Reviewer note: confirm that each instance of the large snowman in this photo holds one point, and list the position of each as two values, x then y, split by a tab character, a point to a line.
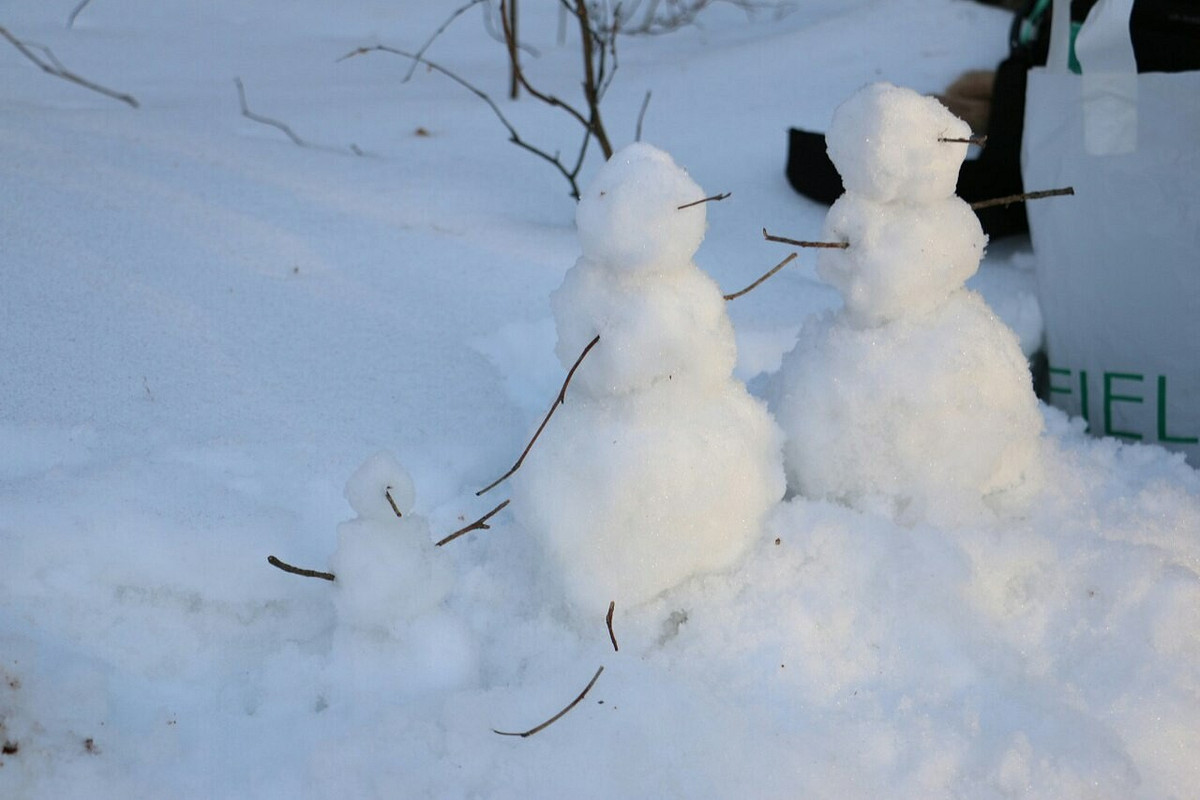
659	466
913	396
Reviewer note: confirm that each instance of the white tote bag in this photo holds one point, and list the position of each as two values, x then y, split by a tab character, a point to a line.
1118	264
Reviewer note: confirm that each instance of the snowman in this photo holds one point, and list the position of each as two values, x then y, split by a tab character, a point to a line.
394	635
659	466
913	395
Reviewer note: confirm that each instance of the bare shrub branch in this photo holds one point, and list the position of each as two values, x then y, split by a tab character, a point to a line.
75	12
274	123
478	525
50	64
713	198
559	715
641	116
558	401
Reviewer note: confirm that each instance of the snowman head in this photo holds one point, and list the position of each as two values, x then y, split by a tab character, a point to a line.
886	141
629	217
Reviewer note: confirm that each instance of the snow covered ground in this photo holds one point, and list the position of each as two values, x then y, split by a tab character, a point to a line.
205	330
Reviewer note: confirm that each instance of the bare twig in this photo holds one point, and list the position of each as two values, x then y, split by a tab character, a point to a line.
75	12
763	279
514	52
50	64
274	123
1020	198
308	573
388	494
799	243
559	715
513	135
458	12
612	606
478	525
978	141
558	401
641	116
711	199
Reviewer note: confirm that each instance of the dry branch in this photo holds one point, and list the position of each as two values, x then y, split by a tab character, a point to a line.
978	141
50	64
799	243
274	123
478	525
713	198
562	396
513	135
388	494
75	12
637	137
612	606
458	12
762	279
559	715
1020	198
307	573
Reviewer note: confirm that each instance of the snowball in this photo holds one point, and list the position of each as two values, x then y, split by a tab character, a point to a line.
379	476
388	573
629	217
884	141
903	259
631	496
934	414
652	327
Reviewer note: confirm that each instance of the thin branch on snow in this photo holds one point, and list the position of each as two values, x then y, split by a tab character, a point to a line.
420	54
307	573
513	135
388	494
1020	198
612	606
478	525
558	401
711	199
274	123
75	12
762	279
50	64
637	137
559	715
799	243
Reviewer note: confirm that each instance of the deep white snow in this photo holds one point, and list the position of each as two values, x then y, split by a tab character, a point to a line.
209	334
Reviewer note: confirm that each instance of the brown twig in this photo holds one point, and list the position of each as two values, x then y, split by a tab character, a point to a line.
714	198
478	525
52	66
637	137
562	396
513	135
1020	198
559	715
388	494
458	12
308	573
612	606
75	12
978	141
799	243
765	276
274	123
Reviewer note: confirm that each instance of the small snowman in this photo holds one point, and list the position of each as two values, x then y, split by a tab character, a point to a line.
659	466
914	393
394	633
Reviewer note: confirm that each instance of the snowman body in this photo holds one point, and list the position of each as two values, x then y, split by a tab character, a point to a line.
913	393
659	465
